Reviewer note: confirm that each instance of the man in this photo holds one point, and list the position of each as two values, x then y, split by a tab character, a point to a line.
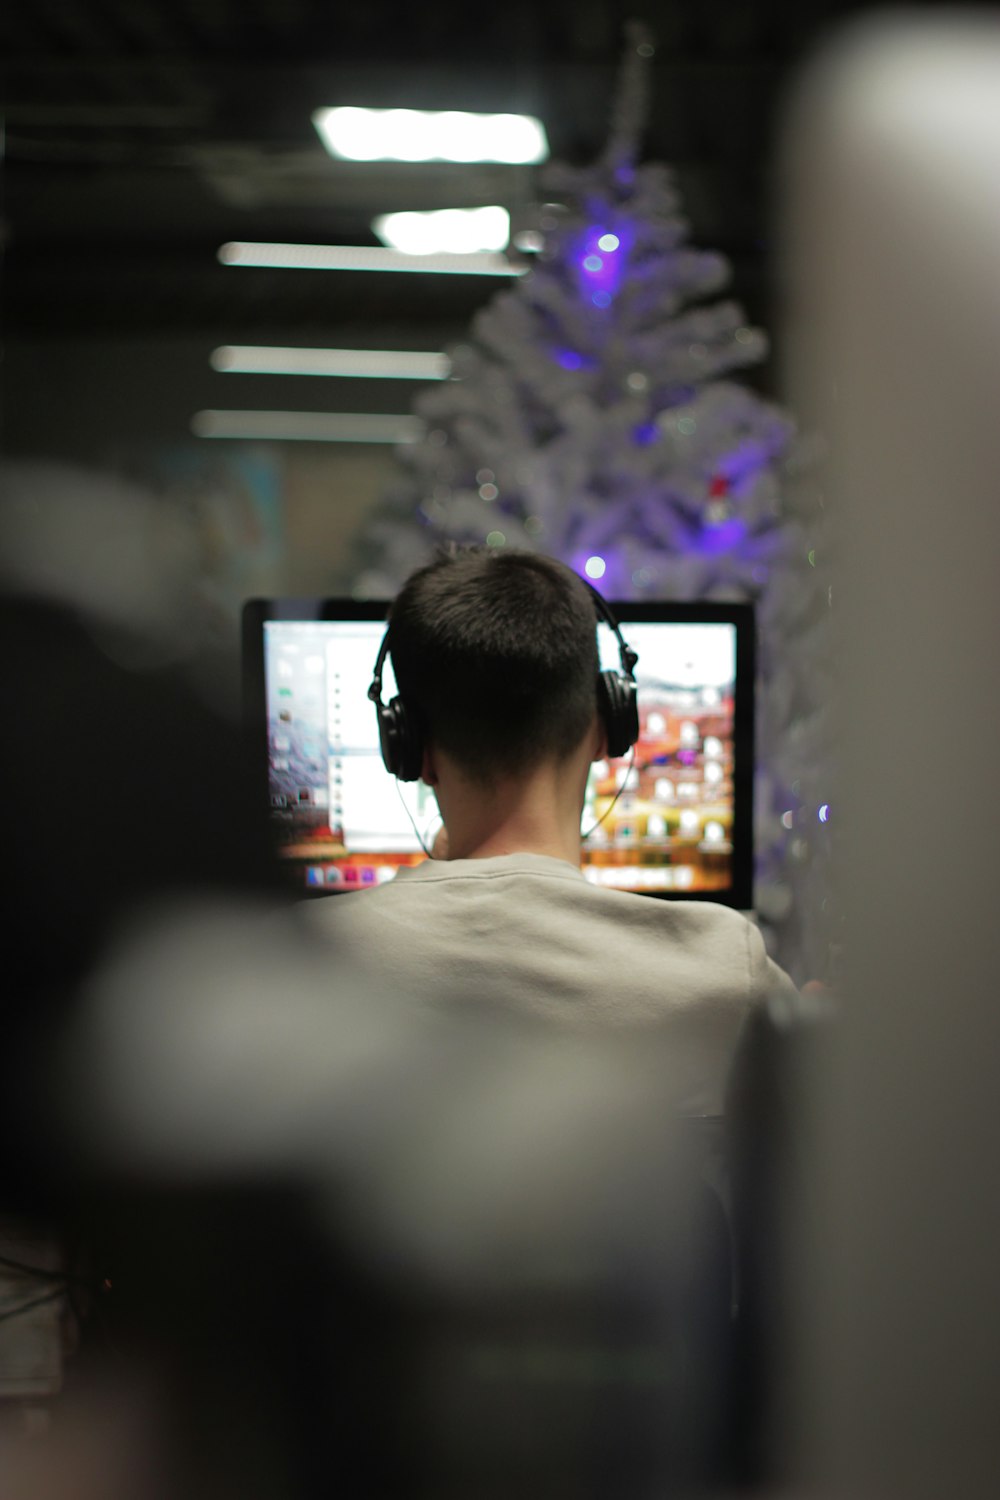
501	711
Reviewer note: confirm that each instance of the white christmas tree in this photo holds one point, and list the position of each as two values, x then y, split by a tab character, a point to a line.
590	415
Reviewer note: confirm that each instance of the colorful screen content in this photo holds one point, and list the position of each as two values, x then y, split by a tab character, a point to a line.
679	825
671	828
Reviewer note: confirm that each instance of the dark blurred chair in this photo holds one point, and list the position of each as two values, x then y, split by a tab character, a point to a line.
313	1349
121	788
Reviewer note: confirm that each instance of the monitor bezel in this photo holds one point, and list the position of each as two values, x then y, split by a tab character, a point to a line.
740	614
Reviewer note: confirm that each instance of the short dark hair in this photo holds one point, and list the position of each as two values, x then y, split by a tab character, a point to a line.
495	653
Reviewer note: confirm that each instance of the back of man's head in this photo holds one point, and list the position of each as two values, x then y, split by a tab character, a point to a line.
495	653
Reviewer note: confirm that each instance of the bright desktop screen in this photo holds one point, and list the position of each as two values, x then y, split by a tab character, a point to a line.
682	822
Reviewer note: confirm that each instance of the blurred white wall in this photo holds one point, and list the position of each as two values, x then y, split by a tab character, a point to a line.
892	215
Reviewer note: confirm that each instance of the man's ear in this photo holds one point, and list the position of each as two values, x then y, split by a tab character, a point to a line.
600	740
428	768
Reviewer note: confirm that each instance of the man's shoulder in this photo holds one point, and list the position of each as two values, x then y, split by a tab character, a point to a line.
672	913
532	896
322	910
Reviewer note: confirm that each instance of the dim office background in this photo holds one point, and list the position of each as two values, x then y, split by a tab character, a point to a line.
211	295
142	138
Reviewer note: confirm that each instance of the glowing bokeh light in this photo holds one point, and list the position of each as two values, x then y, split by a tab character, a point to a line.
722	536
600	265
280	256
455	231
386	364
595	567
359	134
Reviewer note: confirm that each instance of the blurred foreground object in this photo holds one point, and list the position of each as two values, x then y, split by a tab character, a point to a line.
892	164
107	550
33	1303
460	1257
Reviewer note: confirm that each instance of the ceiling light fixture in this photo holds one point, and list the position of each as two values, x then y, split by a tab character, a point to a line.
308	426
430	135
282	257
460	231
384	364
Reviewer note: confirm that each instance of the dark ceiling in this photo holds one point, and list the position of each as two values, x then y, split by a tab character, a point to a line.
142	134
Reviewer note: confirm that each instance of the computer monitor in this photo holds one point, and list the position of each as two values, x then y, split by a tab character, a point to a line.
682	824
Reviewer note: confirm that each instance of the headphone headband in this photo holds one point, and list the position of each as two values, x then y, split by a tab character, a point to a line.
375	691
629	658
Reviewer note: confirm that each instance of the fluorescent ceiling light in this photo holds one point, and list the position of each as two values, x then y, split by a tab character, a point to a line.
463	231
430	135
308	426
359	258
387	364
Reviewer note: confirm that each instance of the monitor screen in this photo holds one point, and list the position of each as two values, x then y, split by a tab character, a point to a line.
671	819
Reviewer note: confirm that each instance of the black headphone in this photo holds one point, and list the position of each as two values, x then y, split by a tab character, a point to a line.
401	741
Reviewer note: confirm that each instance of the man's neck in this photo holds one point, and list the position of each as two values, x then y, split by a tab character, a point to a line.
517	837
534	814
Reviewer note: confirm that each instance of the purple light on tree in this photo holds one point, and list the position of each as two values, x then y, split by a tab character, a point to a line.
724	537
571	359
602	566
601	256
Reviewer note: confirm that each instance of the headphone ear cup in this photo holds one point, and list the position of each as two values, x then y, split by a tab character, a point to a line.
399	740
618	707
